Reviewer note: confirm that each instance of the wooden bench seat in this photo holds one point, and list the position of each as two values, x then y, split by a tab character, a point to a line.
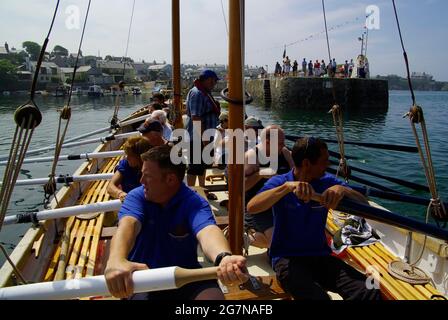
379	256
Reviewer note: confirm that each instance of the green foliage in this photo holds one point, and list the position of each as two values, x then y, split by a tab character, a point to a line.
33	49
60	50
8	75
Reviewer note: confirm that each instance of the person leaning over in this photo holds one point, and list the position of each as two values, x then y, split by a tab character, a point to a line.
299	250
161	224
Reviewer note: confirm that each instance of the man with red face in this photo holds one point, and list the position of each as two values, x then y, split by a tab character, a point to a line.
161	224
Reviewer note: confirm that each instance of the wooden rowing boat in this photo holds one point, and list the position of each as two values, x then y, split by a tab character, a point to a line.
78	247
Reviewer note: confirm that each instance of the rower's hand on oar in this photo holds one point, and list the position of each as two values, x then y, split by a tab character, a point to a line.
232	270
303	190
331	197
122	195
119	277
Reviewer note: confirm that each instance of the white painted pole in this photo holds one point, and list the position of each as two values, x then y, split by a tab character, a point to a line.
58	213
75	178
81	156
144	281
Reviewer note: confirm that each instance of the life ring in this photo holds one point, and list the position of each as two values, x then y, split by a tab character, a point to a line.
248	97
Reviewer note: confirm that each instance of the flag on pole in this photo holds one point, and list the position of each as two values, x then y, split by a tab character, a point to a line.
284	53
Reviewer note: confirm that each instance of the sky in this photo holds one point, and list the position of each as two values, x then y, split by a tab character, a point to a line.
270	25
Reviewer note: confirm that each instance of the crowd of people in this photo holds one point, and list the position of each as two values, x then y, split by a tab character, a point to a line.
316	68
162	221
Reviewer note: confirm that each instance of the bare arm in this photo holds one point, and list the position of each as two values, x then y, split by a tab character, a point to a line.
113	189
212	241
232	269
331	197
288	156
251	170
119	269
265	200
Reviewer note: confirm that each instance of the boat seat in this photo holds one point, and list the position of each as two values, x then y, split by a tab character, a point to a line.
378	256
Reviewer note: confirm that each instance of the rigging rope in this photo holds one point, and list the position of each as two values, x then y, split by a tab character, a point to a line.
404	271
224	17
114	120
336	111
416	116
65	114
27	118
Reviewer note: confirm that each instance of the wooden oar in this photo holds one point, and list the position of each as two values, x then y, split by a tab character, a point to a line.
365	182
106	206
144	281
393	196
404	183
366	211
383	146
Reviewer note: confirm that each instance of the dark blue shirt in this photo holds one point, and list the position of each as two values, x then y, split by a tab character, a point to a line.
130	176
168	234
299	228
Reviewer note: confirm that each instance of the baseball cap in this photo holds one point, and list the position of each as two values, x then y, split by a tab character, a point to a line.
209	74
150	125
224	116
253	122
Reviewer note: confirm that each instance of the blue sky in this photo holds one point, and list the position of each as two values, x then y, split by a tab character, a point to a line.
270	24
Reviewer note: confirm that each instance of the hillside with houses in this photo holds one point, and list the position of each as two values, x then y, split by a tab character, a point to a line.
17	68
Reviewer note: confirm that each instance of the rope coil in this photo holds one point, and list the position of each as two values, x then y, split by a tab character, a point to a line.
408	273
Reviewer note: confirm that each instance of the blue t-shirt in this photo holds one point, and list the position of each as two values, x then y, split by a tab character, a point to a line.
299	228
130	176
168	235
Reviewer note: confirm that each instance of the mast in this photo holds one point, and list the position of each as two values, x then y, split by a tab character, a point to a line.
177	94
236	121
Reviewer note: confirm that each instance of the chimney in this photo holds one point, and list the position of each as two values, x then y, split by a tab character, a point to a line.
7	47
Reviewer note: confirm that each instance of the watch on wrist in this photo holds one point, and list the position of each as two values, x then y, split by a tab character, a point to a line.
220	256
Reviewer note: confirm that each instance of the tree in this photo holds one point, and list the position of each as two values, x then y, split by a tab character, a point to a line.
60	51
33	49
8	75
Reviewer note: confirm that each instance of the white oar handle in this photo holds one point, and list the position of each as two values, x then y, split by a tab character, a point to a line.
82	156
65	179
144	281
66	212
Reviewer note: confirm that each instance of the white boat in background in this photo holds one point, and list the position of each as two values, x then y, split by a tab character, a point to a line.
136	91
95	91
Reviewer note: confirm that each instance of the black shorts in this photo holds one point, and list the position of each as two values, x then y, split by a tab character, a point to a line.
199	168
260	222
188	292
